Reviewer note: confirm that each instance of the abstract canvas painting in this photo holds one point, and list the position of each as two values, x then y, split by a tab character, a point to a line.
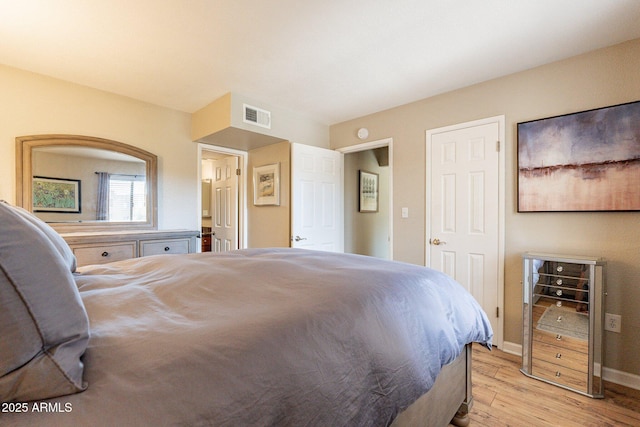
586	161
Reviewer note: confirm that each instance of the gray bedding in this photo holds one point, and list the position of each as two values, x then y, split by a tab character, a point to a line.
261	338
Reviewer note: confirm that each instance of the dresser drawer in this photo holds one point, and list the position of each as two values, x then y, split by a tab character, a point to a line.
103	253
566	269
561	356
560	340
560	374
169	246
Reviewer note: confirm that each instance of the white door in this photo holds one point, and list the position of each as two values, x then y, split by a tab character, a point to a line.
317	180
465	204
224	203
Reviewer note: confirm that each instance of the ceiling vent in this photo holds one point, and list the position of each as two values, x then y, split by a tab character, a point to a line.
257	116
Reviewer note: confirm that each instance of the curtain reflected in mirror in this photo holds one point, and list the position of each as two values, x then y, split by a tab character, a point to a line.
102	207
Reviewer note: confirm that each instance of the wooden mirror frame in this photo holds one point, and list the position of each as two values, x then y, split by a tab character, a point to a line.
24	178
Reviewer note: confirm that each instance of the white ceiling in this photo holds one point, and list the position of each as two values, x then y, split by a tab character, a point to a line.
330	59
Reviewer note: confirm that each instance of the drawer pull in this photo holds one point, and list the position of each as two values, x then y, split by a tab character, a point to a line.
558	356
559	292
559	319
558	374
560	268
167	248
558	337
105	253
559	282
559	303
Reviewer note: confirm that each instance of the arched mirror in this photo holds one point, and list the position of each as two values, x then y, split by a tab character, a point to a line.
81	183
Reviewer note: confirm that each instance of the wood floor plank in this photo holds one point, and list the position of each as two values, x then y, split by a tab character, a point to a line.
503	396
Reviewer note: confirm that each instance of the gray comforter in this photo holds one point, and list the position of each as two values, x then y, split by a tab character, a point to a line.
262	338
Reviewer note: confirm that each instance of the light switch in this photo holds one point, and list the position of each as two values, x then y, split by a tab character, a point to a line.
405	212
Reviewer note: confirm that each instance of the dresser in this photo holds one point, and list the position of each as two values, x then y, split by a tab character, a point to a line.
563	321
102	247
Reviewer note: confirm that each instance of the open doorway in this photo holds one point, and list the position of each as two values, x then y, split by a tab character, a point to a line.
222	203
369	231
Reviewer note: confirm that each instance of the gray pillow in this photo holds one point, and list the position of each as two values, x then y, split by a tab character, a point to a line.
56	239
45	329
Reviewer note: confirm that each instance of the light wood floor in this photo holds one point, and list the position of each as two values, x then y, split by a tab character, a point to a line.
503	396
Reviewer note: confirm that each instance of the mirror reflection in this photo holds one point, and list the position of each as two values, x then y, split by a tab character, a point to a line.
81	183
73	184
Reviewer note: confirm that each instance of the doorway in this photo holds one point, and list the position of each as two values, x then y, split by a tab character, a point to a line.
222	188
369	231
465	210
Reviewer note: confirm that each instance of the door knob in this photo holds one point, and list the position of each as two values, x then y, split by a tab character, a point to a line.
437	242
298	238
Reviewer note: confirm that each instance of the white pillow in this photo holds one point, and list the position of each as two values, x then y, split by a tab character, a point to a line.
57	240
43	322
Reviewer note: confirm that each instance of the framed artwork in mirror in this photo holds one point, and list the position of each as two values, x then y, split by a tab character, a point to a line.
266	185
56	195
368	192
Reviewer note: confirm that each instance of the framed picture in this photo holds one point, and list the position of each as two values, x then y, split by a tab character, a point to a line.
581	162
56	195
266	185
368	192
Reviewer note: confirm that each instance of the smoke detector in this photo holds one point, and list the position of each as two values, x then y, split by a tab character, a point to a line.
256	116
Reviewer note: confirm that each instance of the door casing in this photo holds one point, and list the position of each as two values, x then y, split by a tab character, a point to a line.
243	161
386	142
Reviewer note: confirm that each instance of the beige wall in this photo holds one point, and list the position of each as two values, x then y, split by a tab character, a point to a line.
601	78
222	123
268	226
34	104
285	123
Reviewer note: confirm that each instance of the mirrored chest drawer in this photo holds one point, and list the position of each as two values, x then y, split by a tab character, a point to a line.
102	247
563	321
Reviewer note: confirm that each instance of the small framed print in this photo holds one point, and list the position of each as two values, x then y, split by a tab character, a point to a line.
56	195
368	192
266	185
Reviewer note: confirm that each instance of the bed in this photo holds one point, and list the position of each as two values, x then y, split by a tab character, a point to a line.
263	337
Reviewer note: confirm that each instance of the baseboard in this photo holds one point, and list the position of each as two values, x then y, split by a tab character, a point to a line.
612	375
622	378
512	348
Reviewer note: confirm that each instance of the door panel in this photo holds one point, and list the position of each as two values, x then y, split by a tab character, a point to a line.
225	205
463	209
317	198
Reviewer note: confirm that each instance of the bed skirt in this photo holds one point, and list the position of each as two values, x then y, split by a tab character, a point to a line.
448	401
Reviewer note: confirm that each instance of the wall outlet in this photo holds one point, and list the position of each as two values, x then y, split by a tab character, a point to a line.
612	322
